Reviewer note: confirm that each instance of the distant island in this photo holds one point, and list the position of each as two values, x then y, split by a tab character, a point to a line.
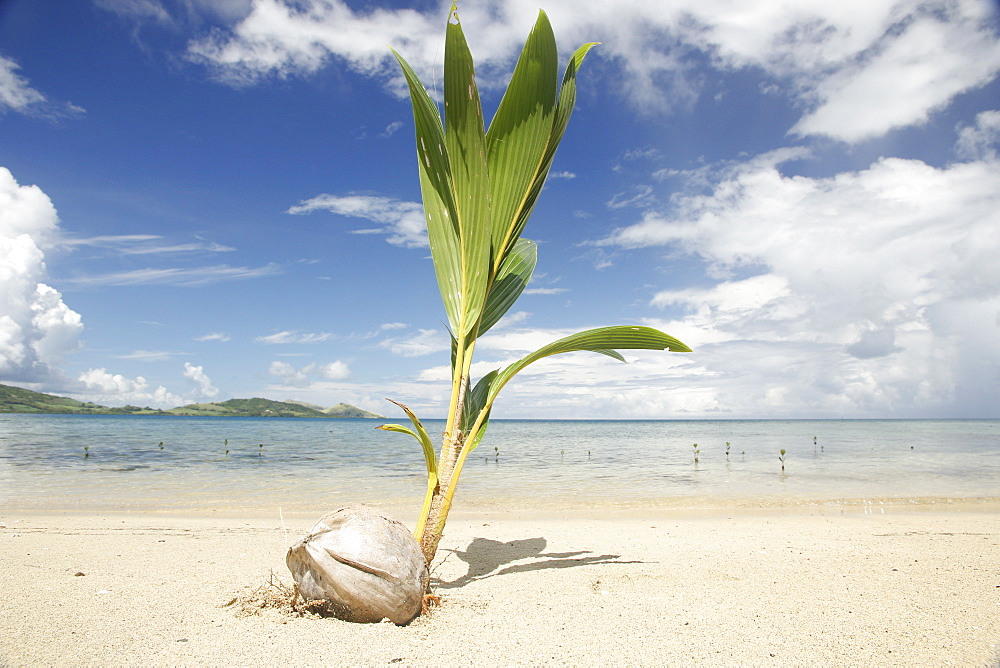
19	400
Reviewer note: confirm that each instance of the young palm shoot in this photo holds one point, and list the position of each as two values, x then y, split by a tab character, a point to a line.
479	188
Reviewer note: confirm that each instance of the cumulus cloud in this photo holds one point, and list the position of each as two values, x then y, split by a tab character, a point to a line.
402	222
859	292
37	329
197	375
307	375
335	371
113	389
857	72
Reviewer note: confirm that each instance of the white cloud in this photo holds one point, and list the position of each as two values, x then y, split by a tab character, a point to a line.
913	72
871	291
294	337
221	337
137	10
288	374
638	196
510	320
102	387
391	129
335	371
183	277
174	15
16	94
37	329
148	355
204	383
858	71
425	342
304	377
277	39
403	221
388	326
980	141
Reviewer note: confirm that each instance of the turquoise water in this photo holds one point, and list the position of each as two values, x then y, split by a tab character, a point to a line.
306	464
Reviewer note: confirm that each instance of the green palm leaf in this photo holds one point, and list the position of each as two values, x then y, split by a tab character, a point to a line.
604	340
475	403
567	100
513	276
520	131
418	432
437	190
465	144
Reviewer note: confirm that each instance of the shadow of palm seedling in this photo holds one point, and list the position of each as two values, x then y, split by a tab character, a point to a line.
486	558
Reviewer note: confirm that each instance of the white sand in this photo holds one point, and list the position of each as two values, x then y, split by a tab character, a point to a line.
809	587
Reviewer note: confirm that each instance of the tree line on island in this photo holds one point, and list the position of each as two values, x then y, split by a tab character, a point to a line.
19	400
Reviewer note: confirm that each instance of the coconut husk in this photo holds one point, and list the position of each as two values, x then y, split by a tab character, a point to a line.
367	565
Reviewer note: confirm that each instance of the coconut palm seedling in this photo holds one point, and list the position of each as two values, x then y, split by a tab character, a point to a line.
479	187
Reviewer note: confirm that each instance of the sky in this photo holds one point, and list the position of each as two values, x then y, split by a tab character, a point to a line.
213	199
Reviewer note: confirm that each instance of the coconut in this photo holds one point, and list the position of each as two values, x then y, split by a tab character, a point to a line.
366	565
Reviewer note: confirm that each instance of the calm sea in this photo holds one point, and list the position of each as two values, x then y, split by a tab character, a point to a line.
253	465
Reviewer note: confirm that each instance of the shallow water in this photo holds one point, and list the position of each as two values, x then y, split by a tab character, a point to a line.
117	463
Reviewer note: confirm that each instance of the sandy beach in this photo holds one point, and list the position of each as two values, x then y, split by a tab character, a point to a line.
806	586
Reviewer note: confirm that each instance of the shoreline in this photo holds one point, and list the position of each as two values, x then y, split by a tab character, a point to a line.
552	508
916	584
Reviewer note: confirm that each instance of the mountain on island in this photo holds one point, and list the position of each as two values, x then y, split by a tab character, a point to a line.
341	410
20	400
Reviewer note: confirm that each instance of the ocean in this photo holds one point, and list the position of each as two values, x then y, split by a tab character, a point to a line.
271	465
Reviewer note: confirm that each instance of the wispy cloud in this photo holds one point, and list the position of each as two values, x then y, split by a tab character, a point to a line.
424	342
16	94
294	337
391	129
637	196
402	222
221	337
184	277
149	355
387	326
142	244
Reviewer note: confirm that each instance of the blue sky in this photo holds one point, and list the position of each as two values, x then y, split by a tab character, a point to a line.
202	200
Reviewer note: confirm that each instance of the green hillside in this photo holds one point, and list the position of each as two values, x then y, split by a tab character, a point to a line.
19	400
255	407
348	411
